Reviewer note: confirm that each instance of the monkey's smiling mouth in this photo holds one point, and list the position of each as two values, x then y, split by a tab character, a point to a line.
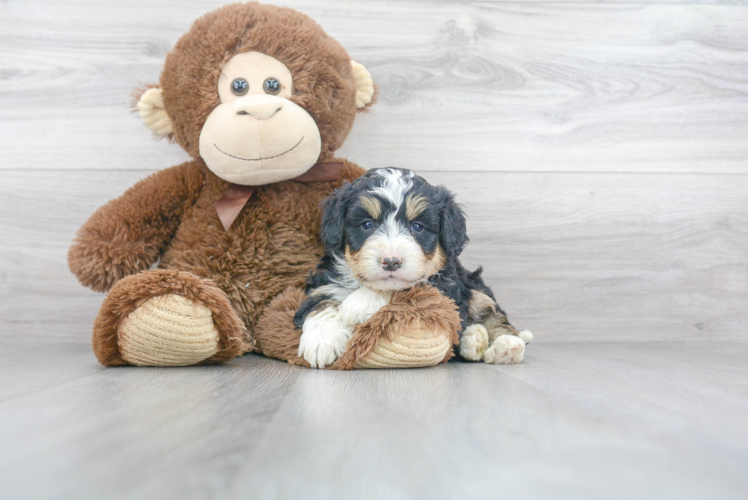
261	158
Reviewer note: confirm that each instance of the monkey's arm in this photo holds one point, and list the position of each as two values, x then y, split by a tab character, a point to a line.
128	234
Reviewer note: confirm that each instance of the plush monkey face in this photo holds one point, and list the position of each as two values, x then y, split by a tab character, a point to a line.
256	135
259	93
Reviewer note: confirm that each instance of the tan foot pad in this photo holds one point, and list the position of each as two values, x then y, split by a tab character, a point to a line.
414	347
168	330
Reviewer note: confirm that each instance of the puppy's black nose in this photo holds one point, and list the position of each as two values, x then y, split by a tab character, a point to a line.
391	263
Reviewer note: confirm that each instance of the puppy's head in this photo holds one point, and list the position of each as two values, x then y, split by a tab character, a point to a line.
393	228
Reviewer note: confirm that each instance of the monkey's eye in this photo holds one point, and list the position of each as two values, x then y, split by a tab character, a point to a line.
239	86
272	86
366	226
416	227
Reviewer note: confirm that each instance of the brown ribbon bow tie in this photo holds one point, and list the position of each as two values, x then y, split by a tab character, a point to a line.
236	196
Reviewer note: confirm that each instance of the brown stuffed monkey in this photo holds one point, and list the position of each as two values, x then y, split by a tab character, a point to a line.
207	260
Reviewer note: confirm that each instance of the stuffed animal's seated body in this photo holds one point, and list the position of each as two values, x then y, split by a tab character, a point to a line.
261	98
387	232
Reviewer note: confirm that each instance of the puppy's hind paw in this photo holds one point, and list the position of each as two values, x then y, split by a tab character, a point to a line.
506	349
473	342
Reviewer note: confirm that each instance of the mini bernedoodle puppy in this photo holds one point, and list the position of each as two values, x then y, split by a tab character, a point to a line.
390	230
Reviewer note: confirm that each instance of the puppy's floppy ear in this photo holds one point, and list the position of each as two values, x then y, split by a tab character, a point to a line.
452	225
333	219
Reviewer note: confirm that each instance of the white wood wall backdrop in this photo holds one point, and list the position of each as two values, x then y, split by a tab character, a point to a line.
601	149
479	86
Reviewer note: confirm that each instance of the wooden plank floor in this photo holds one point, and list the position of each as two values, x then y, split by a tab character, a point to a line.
576	420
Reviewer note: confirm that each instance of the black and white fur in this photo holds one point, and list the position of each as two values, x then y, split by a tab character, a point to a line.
391	230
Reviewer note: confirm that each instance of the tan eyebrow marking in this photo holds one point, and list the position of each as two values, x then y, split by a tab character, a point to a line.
372	206
415	205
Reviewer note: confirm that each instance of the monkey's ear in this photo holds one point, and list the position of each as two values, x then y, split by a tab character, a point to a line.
150	104
365	88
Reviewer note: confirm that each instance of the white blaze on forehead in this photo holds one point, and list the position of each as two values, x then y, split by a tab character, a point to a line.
395	186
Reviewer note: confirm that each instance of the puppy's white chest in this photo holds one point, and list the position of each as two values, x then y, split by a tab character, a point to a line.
360	305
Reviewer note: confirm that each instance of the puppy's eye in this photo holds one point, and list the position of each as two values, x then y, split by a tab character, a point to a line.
416	227
239	86
366	226
272	86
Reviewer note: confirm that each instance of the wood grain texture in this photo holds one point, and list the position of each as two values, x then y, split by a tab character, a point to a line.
580	421
600	152
570	256
478	85
575	421
187	431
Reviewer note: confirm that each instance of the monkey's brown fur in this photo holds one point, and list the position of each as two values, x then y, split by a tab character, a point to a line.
323	82
250	277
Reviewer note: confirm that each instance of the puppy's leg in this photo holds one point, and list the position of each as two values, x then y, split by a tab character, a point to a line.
474	342
506	350
507	345
324	336
361	305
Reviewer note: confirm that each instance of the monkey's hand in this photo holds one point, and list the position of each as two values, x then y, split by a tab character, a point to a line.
128	234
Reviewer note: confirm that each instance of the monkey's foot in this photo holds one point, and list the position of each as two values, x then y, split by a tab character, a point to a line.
167	318
417	328
168	330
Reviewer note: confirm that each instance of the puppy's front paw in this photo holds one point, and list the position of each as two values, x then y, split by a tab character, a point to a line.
324	338
506	349
473	342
